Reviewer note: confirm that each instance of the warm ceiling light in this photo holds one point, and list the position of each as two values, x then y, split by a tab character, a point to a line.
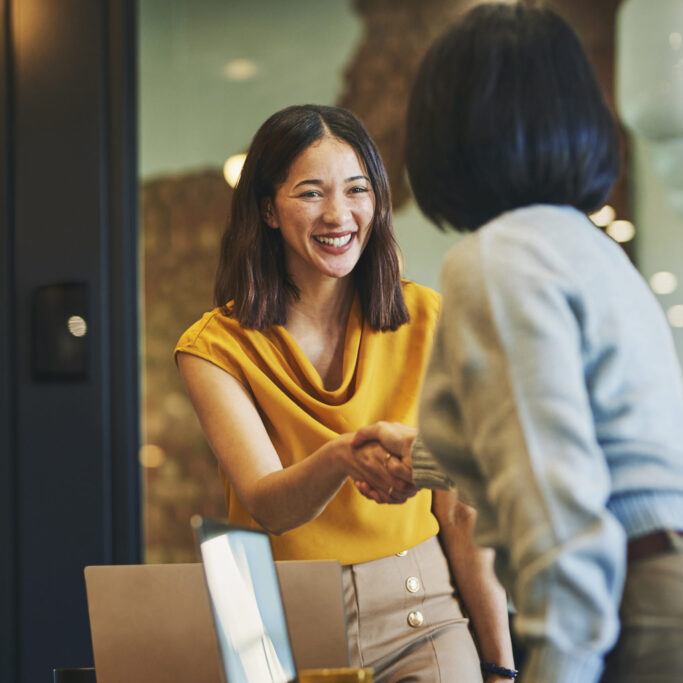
604	216
621	231
663	282
151	455
240	70
232	168
675	315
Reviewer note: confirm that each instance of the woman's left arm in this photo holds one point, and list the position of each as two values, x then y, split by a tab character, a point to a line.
472	568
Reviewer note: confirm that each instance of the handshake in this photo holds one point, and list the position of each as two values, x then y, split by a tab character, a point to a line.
382	454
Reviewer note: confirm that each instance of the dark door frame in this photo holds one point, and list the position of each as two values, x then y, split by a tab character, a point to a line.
8	613
69	472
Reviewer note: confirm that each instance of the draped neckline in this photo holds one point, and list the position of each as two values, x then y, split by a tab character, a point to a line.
352	339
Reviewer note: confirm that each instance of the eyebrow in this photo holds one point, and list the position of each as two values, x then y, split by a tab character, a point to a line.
316	181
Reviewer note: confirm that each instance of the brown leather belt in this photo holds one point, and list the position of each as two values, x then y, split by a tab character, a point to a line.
653	544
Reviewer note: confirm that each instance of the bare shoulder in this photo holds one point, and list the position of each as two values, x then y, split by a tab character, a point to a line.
231	422
206	381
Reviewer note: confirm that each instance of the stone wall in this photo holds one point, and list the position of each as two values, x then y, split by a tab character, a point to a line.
182	219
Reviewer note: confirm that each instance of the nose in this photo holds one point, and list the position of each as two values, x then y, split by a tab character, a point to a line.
336	209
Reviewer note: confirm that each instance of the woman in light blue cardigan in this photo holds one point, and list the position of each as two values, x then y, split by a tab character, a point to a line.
554	400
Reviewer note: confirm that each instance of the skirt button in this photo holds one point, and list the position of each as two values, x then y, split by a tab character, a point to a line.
412	584
416	619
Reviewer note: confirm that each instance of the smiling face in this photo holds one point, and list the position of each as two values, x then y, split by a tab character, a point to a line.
324	209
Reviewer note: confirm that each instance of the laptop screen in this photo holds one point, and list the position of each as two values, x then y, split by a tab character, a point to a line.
246	603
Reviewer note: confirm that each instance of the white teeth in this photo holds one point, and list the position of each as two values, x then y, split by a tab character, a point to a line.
333	241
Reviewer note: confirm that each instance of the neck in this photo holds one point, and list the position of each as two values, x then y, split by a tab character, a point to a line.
325	304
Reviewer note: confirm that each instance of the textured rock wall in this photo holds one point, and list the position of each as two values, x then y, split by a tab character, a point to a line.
182	219
378	80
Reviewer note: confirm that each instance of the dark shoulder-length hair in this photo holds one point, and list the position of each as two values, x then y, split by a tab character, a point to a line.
251	270
506	112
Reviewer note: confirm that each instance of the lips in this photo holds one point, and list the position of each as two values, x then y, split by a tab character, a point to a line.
334	241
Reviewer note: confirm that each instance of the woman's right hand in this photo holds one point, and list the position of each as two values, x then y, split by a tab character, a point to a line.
395	441
395	437
375	471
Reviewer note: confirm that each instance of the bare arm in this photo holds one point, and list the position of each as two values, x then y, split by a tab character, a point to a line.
472	567
278	498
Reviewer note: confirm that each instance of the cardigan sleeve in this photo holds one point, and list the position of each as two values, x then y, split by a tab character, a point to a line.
427	473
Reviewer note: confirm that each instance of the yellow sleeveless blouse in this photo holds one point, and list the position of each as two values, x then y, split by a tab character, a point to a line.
382	376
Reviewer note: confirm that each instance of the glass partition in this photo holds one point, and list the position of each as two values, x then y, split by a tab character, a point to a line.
210	72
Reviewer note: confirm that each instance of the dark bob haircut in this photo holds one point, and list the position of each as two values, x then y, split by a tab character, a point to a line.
506	112
252	271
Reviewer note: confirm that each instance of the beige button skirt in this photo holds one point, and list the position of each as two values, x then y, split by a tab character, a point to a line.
404	619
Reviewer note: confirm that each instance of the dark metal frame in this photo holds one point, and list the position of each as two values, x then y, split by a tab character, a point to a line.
127	542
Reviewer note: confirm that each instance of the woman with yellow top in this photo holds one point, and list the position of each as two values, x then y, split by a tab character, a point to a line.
315	336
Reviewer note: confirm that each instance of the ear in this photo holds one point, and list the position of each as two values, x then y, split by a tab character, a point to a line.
268	213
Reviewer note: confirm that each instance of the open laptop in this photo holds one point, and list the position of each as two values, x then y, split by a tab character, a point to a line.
154	623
